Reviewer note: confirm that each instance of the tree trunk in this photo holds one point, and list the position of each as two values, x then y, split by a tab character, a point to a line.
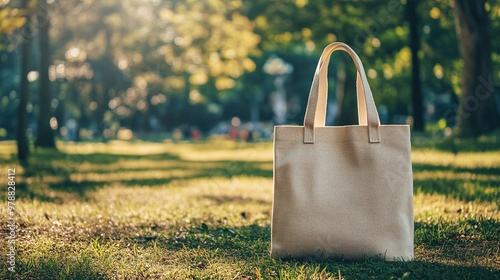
477	112
45	136
339	92
22	113
105	78
347	113
418	110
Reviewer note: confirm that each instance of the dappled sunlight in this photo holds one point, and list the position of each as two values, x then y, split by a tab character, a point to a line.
463	159
428	205
136	137
466	176
132	175
115	147
202	208
484	254
8	147
453	175
224	150
146	163
461	185
228	150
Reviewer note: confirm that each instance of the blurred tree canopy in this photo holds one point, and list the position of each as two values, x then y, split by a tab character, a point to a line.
153	65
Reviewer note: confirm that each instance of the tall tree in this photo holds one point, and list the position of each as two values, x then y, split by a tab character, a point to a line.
45	136
477	110
22	114
416	90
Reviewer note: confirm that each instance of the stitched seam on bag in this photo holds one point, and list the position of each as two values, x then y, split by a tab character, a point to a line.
340	126
333	141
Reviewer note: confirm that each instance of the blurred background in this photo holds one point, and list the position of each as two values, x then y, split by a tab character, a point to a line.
91	70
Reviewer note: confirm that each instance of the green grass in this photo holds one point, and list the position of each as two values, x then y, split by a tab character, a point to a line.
143	210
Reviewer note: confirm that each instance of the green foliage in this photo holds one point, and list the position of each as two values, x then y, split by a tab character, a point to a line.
168	60
202	210
12	18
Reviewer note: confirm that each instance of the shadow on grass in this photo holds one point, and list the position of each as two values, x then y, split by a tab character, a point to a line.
246	249
82	187
476	170
490	142
251	244
51	267
224	199
64	166
460	183
57	163
125	176
463	231
484	189
49	154
465	190
23	191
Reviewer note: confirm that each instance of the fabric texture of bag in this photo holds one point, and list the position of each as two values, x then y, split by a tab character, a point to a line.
342	192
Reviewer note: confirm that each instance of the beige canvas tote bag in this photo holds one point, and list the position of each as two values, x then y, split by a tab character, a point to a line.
343	192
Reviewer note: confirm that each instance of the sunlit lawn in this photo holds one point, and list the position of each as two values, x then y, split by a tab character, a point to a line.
143	210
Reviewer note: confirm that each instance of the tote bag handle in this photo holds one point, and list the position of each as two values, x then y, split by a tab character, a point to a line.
316	105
